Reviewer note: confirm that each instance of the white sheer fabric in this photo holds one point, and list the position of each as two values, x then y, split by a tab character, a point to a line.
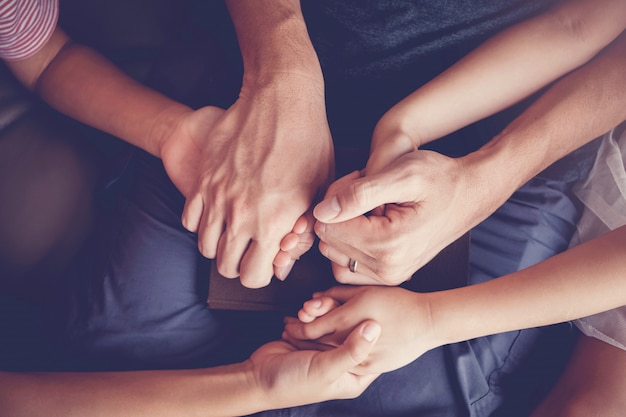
604	197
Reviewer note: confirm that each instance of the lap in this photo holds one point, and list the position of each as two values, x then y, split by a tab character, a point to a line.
500	375
144	305
139	299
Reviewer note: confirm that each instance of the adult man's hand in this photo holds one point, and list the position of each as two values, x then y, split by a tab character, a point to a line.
252	172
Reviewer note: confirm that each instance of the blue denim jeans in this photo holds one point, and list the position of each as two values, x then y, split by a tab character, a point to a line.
140	303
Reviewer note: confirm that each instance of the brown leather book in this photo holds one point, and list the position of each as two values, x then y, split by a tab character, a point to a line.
449	269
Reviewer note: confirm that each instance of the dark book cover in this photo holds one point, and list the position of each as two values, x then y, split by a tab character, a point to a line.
449	269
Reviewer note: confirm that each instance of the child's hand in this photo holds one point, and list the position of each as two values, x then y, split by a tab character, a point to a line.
326	320
294	245
245	176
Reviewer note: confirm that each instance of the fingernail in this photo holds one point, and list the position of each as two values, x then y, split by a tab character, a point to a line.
327	209
282	272
371	331
316	303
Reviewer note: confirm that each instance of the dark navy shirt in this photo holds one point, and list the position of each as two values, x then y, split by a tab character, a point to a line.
374	53
374	38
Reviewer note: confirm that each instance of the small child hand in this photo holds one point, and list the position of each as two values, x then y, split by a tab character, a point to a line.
293	245
316	307
326	320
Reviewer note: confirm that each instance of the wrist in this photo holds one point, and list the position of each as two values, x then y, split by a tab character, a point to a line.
396	123
492	177
274	41
285	87
164	126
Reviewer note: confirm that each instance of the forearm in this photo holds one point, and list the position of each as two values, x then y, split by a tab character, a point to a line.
217	392
274	43
85	86
584	280
580	107
509	67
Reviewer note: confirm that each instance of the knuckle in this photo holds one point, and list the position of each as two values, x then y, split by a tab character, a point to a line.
342	277
362	193
308	332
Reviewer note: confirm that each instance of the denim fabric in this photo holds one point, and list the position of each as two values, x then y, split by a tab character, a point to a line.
501	375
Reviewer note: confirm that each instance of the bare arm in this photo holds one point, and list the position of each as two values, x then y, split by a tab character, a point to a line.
264	181
507	68
82	84
584	280
440	198
274	42
276	376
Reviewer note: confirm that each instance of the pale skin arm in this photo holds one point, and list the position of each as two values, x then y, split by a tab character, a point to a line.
585	280
82	84
437	198
239	186
276	376
499	73
79	82
273	146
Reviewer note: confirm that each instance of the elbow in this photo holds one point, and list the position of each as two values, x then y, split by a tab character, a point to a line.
587	25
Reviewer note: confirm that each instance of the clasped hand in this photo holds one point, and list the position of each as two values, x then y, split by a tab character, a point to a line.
248	174
404	316
394	220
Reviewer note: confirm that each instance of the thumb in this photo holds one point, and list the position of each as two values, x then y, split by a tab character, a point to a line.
356	198
355	349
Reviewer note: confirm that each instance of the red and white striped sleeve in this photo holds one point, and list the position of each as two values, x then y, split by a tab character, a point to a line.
26	26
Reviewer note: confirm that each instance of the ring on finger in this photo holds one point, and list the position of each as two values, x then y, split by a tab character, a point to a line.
352	265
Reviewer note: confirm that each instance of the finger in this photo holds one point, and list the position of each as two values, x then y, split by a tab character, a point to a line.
294	245
282	272
343	293
192	213
307	344
304	223
324	325
210	230
354	238
316	307
362	195
342	182
230	250
341	270
257	266
352	352
344	275
289	242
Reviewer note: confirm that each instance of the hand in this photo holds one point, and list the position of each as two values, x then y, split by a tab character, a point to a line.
294	245
293	377
258	170
426	201
404	316
182	151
